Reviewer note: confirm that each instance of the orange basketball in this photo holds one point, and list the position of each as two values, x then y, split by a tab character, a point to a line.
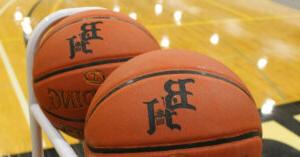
173	103
75	55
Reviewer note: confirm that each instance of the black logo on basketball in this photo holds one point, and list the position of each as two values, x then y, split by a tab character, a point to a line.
176	98
79	43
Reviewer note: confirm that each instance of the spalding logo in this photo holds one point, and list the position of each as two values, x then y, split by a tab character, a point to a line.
94	77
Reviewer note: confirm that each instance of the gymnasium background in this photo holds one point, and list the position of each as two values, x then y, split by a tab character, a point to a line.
257	39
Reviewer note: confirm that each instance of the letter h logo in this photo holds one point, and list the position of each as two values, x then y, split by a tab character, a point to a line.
172	101
79	43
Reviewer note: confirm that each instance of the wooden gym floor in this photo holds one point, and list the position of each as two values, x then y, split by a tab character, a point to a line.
257	39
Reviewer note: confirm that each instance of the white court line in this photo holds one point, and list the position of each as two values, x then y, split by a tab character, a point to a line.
14	82
12	76
5	6
16	85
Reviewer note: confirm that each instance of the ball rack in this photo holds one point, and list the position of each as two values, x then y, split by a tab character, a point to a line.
38	120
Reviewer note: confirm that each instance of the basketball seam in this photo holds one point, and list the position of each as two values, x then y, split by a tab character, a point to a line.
147	76
95	17
78	120
241	137
79	66
160	73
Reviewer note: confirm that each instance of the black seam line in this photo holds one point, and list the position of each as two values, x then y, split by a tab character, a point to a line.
79	120
170	72
32	9
175	147
100	62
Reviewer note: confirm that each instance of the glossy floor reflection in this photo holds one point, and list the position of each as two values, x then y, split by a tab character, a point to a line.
258	40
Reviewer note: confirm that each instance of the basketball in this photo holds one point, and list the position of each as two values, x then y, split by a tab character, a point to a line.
74	57
173	103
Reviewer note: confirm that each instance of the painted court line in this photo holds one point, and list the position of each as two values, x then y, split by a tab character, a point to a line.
14	82
5	6
12	75
212	21
228	9
56	5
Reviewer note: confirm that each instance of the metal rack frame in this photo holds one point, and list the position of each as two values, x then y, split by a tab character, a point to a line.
38	120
